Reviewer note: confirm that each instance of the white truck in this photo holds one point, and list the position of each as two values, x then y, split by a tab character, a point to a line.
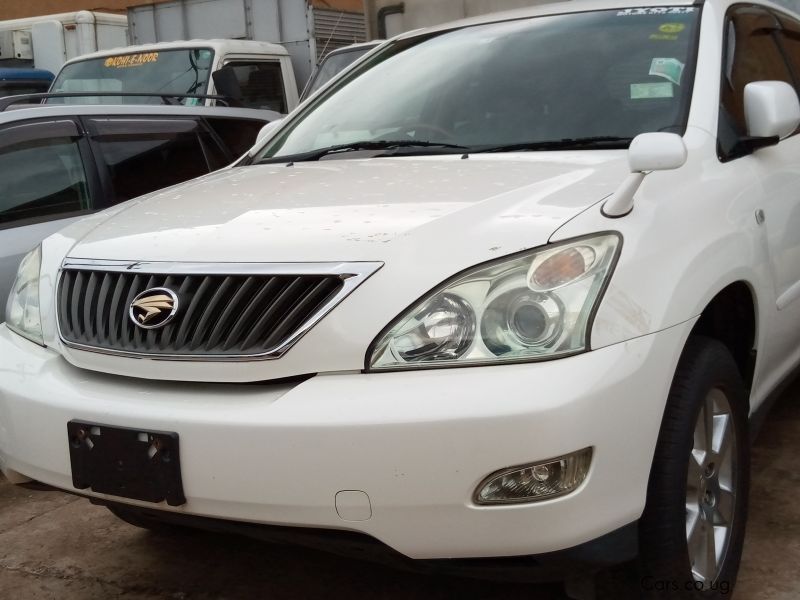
248	73
270	46
308	29
48	41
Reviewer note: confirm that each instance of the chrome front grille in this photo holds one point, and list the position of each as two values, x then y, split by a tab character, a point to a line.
223	311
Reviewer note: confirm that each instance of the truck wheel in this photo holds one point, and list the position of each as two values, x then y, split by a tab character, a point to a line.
692	528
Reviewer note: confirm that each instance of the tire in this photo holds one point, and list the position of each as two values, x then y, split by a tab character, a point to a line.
143	520
690	489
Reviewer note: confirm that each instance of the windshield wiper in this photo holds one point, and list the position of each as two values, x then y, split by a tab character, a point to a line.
364	145
597	142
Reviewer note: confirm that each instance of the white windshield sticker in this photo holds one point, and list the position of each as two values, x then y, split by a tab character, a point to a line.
644	91
657	10
670	69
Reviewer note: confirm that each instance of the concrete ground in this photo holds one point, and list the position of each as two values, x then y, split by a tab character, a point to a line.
54	545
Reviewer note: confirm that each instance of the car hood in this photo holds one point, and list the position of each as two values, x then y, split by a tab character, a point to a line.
478	208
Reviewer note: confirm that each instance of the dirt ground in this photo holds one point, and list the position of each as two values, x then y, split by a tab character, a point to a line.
54	545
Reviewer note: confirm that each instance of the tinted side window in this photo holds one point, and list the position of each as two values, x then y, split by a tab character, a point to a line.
145	155
43	176
751	54
261	84
238	135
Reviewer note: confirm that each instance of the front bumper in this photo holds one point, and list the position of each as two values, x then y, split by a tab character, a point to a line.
415	443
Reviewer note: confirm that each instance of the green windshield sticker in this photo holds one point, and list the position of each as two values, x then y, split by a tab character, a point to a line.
645	91
670	69
668	31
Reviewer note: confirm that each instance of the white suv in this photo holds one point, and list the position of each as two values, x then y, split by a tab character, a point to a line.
512	287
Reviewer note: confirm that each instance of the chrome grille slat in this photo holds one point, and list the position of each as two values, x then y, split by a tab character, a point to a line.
127	327
117	311
270	313
189	318
224	321
169	330
288	321
248	314
63	312
101	315
210	315
139	333
89	306
77	286
222	315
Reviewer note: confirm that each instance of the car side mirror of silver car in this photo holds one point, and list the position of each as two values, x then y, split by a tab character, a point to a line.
265	132
648	152
771	109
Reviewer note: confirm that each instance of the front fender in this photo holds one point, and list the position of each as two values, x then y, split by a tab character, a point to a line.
692	233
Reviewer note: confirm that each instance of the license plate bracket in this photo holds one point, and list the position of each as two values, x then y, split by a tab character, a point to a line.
126	462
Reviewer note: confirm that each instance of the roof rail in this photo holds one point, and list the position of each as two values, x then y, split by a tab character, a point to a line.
165	98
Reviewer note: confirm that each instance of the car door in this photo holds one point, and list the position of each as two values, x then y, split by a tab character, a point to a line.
139	155
47	179
756	50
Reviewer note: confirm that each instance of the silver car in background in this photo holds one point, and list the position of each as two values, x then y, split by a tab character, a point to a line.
59	163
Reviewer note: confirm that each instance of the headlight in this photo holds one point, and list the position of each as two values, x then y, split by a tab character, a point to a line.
22	311
530	306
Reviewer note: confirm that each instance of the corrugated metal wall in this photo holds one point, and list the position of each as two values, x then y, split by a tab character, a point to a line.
405	15
335	29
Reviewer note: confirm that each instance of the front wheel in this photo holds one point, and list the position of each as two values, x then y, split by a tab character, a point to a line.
692	529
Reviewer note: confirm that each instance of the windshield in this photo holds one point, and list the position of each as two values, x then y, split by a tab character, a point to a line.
333	65
183	71
604	74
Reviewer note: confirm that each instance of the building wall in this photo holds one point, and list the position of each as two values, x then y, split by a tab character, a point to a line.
345	5
17	9
426	13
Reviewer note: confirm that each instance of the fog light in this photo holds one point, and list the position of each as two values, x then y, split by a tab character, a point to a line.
534	482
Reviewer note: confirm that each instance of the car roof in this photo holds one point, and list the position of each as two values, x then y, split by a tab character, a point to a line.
69	110
551	8
234	46
358	46
576	6
25	73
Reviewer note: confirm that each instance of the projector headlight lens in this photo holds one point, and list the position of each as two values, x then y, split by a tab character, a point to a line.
530	306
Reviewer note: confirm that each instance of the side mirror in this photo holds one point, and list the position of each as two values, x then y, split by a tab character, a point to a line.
267	130
227	84
771	109
656	152
647	152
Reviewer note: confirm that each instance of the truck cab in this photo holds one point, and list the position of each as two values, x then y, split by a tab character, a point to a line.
256	74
